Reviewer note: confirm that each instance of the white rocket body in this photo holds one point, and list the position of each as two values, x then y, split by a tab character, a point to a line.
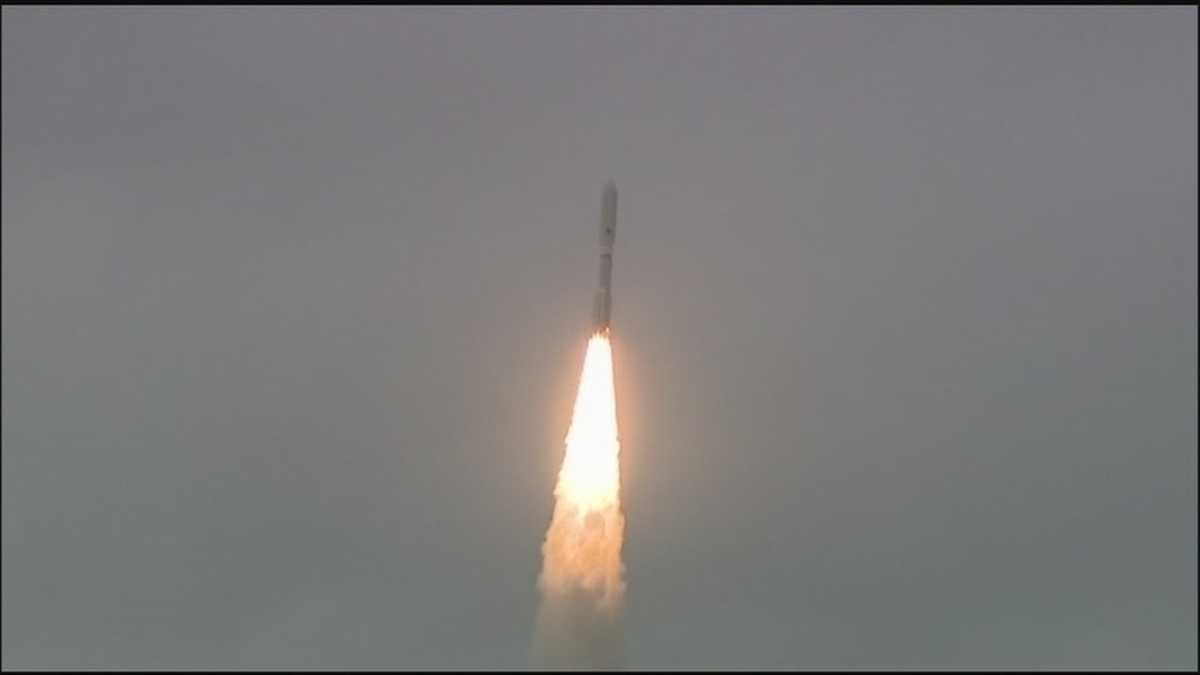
602	307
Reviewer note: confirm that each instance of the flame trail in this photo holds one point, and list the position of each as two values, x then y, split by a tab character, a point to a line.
581	581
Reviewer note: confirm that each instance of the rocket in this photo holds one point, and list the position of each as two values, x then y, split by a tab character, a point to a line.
602	307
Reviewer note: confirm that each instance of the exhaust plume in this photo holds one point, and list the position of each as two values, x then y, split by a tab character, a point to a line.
581	581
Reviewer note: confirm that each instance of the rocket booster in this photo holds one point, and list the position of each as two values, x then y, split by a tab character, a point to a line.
602	307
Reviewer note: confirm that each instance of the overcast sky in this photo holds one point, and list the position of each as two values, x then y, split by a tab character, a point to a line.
295	302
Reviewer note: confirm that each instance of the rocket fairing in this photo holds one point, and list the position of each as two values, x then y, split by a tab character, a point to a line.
602	307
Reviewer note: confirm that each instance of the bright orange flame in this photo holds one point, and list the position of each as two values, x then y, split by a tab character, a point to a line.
583	545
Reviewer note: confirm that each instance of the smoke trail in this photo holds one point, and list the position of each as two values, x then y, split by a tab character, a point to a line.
578	624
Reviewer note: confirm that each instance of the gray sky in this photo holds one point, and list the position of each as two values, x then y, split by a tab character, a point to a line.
295	300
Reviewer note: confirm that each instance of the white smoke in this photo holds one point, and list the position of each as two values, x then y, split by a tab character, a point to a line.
582	585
